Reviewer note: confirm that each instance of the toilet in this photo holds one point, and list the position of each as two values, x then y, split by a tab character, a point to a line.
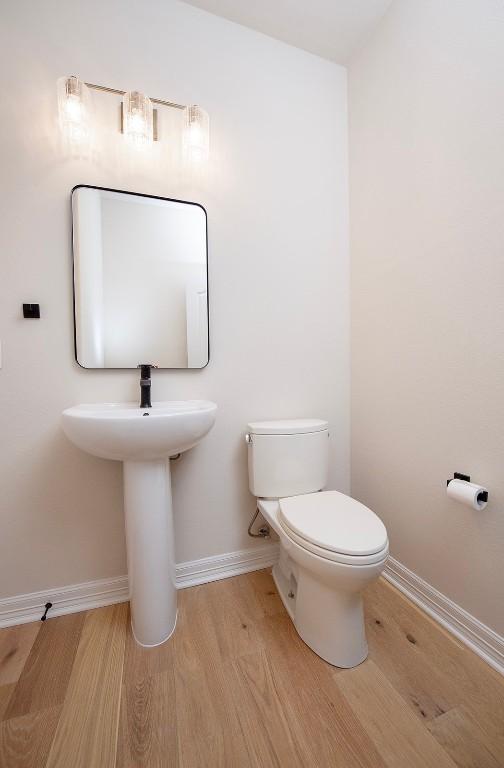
331	546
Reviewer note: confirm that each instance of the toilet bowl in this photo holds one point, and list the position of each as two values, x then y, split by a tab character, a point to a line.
331	546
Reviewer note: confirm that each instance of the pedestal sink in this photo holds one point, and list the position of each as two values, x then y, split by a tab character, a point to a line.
144	439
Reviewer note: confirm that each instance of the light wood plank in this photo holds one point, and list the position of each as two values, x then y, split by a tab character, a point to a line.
6	692
195	643
208	731
268	733
87	730
44	679
465	741
398	735
25	741
148	725
234	613
15	646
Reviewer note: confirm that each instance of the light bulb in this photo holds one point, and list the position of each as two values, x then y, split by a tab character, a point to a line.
137	119
196	139
74	110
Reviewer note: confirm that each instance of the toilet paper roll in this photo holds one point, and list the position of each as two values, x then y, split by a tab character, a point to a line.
466	493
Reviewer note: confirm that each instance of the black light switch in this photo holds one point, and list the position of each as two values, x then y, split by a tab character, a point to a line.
31	310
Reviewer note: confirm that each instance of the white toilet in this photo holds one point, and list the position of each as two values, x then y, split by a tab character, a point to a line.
331	546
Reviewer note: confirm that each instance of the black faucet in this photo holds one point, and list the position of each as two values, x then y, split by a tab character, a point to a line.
145	384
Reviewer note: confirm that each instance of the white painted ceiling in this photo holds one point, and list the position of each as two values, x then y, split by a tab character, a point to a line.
330	28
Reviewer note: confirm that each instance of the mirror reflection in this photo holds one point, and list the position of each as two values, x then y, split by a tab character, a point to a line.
140	280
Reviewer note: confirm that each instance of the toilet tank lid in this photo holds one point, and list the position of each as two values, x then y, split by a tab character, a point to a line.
287	426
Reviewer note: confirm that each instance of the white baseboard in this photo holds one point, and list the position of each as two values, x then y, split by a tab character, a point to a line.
222	566
78	597
480	638
95	594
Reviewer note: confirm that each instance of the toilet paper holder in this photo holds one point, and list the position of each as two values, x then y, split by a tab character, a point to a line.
483	496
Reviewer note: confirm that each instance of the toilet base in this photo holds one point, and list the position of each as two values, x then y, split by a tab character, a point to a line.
329	622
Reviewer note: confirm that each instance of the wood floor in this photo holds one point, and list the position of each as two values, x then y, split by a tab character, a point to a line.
235	686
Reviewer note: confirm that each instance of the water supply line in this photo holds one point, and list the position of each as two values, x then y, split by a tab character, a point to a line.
264	530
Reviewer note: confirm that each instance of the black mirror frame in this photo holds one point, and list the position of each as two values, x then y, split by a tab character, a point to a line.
153	197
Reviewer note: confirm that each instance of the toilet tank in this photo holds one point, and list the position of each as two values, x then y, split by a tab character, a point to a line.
287	457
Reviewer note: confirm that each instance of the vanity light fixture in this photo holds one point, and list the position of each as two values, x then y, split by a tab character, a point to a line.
196	138
74	110
138	118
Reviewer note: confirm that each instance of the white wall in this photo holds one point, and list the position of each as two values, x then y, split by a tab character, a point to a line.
427	229
277	211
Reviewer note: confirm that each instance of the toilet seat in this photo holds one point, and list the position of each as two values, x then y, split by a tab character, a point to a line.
334	526
337	557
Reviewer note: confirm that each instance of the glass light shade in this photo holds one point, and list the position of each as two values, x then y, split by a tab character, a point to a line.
196	138
137	118
74	110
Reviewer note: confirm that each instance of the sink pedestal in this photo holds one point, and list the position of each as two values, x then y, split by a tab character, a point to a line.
150	550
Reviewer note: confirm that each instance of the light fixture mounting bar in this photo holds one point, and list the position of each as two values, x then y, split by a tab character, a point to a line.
106	89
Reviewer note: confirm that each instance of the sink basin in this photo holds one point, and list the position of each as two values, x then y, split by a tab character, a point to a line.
126	432
144	439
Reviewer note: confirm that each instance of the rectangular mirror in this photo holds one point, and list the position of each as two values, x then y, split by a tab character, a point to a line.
140	280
